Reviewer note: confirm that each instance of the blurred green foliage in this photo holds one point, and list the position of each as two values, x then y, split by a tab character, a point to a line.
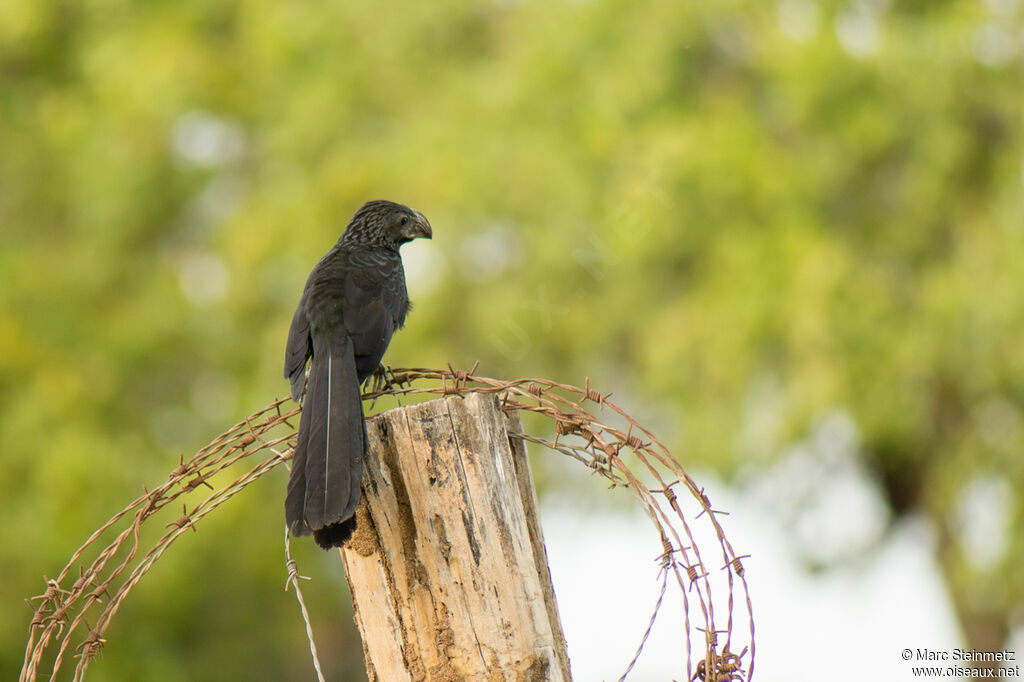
717	210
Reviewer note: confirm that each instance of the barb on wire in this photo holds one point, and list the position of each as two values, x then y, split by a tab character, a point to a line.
108	570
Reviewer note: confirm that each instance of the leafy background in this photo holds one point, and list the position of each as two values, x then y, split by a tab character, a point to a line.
739	216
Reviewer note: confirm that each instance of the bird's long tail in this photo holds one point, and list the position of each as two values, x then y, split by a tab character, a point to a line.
327	467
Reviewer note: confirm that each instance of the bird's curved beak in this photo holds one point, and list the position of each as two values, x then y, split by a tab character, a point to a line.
422	227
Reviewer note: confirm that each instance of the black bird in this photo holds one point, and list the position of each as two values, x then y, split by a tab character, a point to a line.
354	300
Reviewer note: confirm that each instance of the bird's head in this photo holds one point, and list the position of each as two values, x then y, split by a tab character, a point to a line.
386	223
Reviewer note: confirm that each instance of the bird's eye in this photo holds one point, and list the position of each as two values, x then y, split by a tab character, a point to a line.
405	219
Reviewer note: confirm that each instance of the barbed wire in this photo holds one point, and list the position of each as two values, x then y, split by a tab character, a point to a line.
293	580
108	570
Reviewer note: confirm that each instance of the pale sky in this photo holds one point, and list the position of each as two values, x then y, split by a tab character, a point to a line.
842	624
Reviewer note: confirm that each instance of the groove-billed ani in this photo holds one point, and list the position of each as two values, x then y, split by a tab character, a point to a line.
353	302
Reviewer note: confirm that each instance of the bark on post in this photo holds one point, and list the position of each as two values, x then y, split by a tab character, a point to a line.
448	570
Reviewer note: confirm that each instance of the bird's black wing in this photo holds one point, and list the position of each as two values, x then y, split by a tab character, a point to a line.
376	303
298	349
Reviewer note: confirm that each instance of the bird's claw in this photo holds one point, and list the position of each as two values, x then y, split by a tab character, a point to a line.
379	380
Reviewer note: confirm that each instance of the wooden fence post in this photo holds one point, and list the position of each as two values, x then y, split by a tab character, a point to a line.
448	570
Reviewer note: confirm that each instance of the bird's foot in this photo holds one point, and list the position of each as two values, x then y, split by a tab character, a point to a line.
379	380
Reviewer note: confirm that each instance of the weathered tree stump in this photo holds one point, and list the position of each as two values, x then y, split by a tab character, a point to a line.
448	570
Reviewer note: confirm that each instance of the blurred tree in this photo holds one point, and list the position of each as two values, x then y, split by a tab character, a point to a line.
688	202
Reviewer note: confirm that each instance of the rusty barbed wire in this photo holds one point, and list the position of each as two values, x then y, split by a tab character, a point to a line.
293	581
106	573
